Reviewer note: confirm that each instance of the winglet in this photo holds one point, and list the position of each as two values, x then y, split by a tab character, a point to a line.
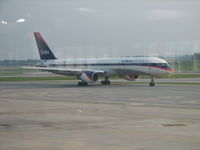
44	50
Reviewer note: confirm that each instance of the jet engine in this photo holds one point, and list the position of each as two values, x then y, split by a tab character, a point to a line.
131	77
89	76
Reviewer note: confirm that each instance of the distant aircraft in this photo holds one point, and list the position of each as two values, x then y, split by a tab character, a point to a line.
89	70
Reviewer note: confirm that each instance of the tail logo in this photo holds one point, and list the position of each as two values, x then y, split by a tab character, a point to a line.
44	52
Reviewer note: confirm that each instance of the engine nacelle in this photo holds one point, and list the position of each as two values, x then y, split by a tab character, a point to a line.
131	77
89	76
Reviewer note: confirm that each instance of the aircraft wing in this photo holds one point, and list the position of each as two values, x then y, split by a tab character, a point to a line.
64	71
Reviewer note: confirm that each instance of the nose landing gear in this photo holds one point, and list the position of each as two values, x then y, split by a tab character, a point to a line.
152	83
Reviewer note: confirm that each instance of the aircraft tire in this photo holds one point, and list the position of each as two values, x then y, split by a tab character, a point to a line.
151	84
105	82
82	83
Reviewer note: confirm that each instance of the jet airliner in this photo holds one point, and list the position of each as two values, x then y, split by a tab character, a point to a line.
88	70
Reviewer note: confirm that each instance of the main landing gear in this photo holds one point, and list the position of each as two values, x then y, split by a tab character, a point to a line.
152	83
106	81
82	83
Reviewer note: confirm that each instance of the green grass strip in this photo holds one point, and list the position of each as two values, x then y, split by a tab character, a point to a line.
175	83
18	69
182	76
37	78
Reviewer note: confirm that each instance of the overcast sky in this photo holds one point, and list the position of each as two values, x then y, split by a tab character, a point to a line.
99	28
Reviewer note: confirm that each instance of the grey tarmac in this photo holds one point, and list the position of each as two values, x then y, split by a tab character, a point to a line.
49	115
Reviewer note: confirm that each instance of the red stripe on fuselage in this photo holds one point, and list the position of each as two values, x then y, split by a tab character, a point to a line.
171	70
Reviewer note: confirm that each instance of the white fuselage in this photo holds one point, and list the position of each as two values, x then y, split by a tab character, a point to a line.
115	66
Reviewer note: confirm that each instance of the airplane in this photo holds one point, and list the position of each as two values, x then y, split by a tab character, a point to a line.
89	70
